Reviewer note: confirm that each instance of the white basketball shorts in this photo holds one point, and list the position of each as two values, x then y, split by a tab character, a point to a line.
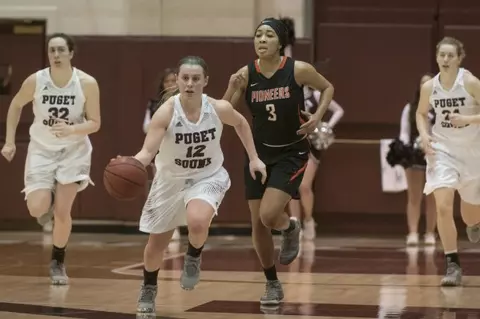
165	208
457	167
44	167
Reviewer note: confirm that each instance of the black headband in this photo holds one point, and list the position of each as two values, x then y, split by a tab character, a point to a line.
279	27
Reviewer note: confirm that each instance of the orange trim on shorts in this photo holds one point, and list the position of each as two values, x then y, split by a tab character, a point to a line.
300	171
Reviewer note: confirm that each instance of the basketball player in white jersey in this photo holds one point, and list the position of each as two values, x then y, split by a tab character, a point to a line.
190	182
453	149
66	109
415	173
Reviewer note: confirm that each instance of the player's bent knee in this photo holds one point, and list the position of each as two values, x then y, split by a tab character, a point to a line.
273	206
199	224
199	216
63	211
258	225
63	218
444	210
198	227
37	209
269	216
38	202
444	201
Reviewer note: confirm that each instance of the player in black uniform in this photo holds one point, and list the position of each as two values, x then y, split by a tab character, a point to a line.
273	88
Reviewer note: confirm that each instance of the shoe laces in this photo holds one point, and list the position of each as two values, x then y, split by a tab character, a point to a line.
451	269
57	268
271	290
147	293
192	265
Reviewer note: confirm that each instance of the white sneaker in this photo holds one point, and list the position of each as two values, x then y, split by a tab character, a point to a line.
176	234
309	232
48	227
412	239
429	239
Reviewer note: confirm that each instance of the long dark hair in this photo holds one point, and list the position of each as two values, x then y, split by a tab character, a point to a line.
413	110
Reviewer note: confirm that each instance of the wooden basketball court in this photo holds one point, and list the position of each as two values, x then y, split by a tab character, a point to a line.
332	278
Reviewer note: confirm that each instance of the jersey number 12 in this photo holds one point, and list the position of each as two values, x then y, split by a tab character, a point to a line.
196	151
272	116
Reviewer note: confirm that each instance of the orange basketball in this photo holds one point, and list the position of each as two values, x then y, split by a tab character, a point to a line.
125	178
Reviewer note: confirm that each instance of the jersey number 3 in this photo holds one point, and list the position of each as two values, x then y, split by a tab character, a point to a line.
271	110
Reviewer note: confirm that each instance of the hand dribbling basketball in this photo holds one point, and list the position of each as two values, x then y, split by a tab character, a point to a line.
125	178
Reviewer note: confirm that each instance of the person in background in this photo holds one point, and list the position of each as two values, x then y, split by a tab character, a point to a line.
452	149
167	82
415	173
66	107
319	143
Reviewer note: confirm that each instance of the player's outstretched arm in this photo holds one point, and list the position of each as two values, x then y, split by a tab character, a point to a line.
156	131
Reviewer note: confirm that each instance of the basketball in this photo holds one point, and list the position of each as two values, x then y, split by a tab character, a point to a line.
125	178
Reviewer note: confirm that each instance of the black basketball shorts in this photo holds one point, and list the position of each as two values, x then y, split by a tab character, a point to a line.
284	171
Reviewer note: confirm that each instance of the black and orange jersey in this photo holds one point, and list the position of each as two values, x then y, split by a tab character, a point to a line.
275	104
